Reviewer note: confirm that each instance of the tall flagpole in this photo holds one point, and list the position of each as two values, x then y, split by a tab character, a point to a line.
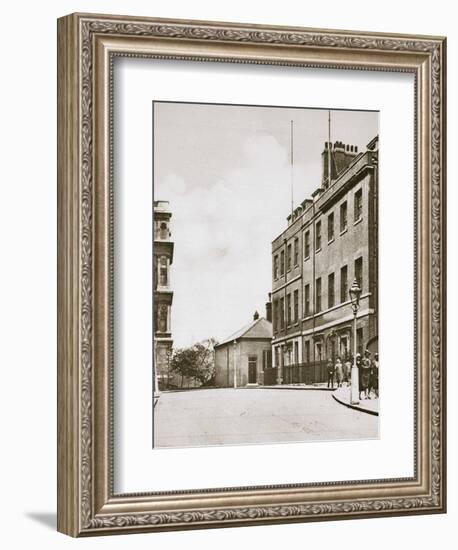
329	149
291	156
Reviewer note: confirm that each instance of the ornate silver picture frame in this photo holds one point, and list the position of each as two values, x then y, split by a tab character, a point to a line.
88	505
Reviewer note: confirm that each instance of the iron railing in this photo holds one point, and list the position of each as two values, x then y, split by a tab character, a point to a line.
313	372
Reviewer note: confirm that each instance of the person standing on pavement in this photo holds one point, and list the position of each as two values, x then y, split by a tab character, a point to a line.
365	378
374	375
347	370
360	372
330	371
339	372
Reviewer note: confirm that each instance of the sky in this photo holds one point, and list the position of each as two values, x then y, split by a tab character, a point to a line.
226	171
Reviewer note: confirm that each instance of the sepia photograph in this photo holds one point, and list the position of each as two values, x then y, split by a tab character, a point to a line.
265	262
232	265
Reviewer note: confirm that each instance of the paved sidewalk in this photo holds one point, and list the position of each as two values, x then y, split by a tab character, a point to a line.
370	406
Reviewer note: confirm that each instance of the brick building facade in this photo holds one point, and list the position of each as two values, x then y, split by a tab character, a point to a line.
331	240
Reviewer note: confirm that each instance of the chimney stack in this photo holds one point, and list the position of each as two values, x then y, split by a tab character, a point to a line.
341	156
269	308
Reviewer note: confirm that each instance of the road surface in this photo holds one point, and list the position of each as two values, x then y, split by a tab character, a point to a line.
240	416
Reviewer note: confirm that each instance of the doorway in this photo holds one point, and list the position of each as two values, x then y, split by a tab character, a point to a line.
252	370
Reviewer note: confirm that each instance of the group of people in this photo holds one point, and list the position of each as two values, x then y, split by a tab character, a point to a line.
340	373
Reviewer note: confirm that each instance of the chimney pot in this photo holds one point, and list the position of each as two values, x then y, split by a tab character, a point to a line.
255	316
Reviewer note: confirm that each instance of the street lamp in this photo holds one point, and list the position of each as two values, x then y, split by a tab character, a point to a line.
169	355
355	294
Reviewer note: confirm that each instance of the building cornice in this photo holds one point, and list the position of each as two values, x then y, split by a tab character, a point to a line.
345	186
284	285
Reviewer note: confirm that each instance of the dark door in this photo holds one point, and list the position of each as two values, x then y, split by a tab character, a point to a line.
252	370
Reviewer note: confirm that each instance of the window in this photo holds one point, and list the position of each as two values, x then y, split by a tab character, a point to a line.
288	309
288	258
296	306
306	300
296	251
331	226
162	318
307	351
277	356
282	263
343	283
276	267
275	314
344	348
164	232
266	359
318	351
282	313
358	205
163	271
318	236
318	295
343	216
296	353
331	290
359	272
307	244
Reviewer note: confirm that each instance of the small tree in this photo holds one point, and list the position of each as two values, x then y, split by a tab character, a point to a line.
205	361
183	363
196	362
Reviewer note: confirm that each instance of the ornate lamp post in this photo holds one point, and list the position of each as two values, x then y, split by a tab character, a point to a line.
355	293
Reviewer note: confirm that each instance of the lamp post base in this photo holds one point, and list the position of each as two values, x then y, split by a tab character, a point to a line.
354	393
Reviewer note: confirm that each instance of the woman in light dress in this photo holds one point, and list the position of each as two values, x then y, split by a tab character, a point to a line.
347	370
339	372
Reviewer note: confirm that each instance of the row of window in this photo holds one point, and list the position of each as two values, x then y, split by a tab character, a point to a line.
292	299
292	250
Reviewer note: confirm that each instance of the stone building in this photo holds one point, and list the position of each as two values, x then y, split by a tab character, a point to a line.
163	294
242	358
331	239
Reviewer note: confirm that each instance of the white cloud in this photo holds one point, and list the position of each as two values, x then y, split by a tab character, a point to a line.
222	266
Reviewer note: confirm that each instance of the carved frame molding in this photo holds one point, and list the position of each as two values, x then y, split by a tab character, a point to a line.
87	46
